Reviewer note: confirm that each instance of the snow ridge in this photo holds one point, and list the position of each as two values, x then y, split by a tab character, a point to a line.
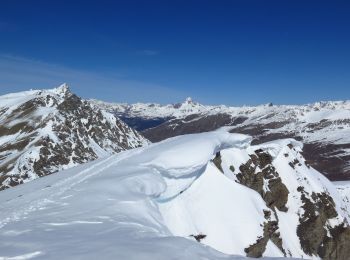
154	202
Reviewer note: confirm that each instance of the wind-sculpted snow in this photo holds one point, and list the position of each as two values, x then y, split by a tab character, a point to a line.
181	160
168	200
113	208
177	156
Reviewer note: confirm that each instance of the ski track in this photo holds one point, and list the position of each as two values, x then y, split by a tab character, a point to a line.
67	184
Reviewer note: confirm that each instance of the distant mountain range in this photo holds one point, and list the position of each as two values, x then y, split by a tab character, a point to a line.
323	127
44	131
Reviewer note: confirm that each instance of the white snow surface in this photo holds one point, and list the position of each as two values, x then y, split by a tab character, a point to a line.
343	187
143	203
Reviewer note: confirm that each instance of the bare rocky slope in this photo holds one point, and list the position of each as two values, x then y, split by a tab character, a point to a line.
44	131
323	127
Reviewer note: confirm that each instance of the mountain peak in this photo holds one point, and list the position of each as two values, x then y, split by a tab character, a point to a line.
63	89
71	132
188	100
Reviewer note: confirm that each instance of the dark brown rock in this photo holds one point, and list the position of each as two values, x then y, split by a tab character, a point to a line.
217	161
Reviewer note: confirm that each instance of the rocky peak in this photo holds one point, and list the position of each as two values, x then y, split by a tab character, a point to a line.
49	130
63	88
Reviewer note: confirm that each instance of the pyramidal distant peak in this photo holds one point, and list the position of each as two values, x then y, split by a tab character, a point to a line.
63	88
188	100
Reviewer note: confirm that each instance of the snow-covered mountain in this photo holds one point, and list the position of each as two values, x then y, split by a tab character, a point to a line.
324	127
200	196
43	131
153	110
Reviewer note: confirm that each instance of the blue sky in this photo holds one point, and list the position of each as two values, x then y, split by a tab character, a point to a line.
218	52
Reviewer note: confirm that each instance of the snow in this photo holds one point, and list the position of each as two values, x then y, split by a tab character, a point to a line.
7	138
272	249
343	188
22	257
299	119
16	99
274	148
210	207
116	207
181	159
330	114
233	157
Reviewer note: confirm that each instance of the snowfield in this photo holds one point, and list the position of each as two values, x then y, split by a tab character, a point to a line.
151	202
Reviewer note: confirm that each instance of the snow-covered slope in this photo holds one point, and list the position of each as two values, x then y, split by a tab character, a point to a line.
43	131
343	188
154	202
323	127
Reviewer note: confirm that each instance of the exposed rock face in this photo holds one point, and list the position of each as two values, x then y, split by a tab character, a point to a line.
322	228
317	237
311	230
270	233
337	245
248	177
42	132
259	172
323	126
217	161
255	174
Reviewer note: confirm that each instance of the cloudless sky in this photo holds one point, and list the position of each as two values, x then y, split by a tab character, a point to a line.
218	52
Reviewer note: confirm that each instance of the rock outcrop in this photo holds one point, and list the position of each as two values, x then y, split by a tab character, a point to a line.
292	189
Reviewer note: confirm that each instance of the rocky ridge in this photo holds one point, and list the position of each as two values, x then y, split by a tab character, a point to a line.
44	131
291	189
